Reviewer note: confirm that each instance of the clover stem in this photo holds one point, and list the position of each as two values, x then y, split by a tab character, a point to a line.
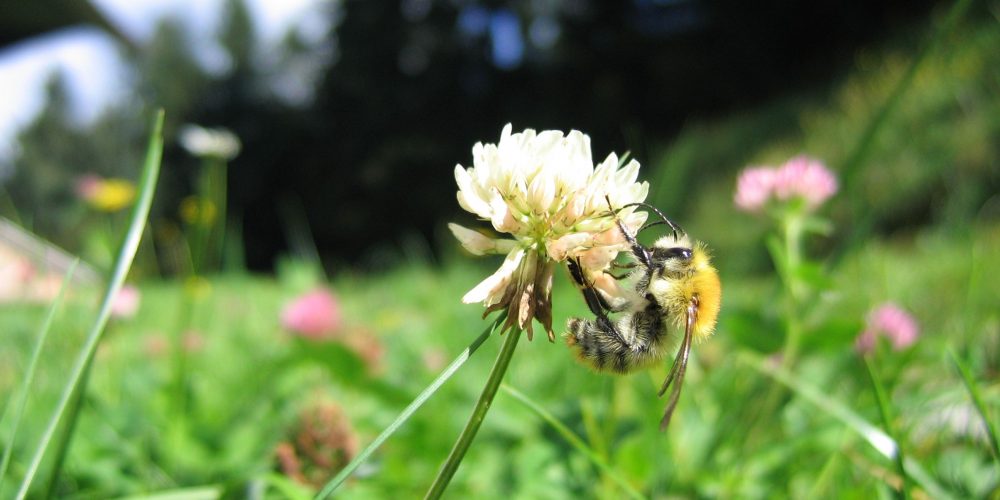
478	415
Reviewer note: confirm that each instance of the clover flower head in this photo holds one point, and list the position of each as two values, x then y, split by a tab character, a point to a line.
544	191
322	442
754	188
210	142
314	315
893	322
807	178
126	302
801	177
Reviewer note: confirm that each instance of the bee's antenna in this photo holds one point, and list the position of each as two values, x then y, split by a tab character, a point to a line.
663	219
638	250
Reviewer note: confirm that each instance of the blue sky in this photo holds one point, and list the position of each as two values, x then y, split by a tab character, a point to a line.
89	58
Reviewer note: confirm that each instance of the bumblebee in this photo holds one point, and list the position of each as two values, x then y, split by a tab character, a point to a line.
673	287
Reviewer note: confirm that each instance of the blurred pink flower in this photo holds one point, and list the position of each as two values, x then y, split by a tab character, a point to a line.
800	177
192	341
314	315
126	303
156	344
892	321
754	188
87	186
807	178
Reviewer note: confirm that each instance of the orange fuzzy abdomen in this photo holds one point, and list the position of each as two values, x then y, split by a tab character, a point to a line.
708	289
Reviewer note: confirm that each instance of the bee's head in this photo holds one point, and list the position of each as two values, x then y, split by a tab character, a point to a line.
672	255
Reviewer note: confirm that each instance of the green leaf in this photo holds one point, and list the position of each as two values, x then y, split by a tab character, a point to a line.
339	360
194	493
574	441
834	335
812	274
287	488
750	329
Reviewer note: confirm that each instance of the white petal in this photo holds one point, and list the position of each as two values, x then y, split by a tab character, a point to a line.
469	195
628	174
479	244
563	247
491	289
541	192
501	215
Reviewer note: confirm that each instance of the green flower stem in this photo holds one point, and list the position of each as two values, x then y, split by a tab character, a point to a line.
478	415
886	413
214	190
793	231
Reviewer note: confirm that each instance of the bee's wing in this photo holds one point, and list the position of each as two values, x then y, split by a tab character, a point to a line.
676	375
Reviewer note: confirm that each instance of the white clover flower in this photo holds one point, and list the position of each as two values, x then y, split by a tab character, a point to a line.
217	142
545	192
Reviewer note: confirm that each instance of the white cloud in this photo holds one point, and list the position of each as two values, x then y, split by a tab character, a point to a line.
89	57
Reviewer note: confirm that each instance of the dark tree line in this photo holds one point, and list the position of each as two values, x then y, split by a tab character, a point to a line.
397	93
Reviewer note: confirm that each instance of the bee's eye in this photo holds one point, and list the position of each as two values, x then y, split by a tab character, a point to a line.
681	253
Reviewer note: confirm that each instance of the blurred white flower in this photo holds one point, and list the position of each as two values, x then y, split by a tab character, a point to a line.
213	142
544	191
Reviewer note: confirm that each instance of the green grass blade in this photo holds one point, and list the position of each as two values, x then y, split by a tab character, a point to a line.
886	412
574	440
29	376
977	400
193	493
419	401
878	439
140	212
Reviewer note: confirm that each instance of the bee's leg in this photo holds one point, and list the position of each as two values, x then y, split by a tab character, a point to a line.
595	302
616	276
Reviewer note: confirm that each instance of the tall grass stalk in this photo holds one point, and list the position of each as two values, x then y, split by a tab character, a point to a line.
77	381
973	388
879	440
419	401
29	375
